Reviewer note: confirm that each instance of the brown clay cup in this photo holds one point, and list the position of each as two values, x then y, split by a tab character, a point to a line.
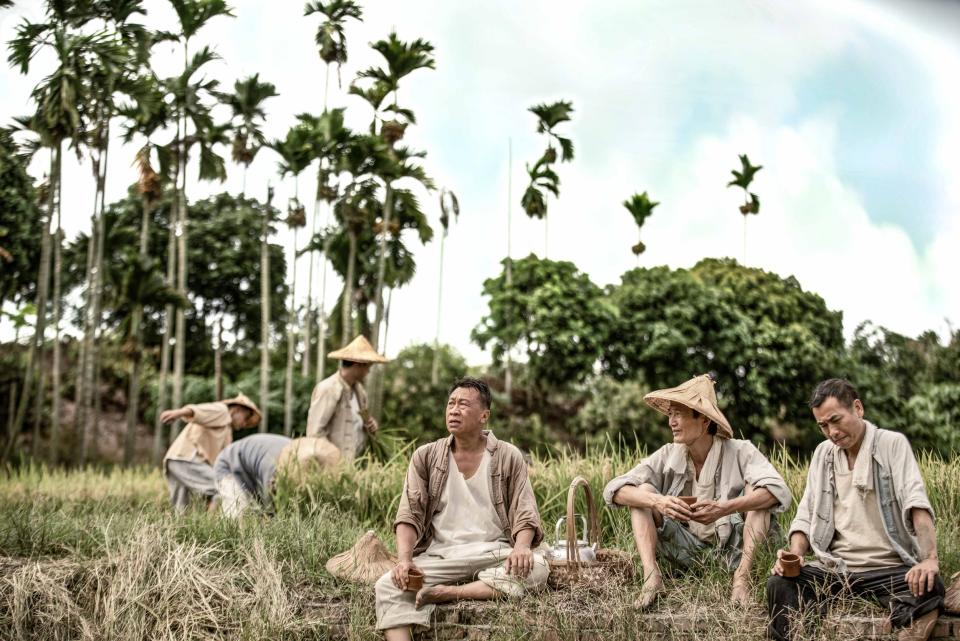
790	563
689	500
414	580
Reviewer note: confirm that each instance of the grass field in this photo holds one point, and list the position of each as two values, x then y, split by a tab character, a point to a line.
95	554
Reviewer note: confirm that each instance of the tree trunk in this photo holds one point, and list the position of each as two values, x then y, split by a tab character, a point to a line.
180	331
435	370
322	330
265	314
57	279
291	346
79	395
308	321
347	305
382	267
136	333
218	360
34	357
508	374
159	443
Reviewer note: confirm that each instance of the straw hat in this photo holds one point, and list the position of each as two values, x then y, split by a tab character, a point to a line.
305	453
358	351
365	562
951	602
243	401
697	394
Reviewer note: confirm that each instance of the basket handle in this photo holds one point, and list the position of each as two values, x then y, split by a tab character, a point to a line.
593	526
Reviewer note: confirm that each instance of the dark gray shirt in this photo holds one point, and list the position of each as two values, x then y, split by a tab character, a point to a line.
253	462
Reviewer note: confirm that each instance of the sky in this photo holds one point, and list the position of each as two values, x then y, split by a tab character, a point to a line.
849	106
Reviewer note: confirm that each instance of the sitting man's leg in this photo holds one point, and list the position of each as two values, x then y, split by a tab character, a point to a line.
791	598
755	528
189	477
645	523
916	615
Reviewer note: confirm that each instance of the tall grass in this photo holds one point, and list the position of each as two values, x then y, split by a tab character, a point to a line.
95	554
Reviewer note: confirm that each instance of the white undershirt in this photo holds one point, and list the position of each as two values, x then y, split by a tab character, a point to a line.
468	524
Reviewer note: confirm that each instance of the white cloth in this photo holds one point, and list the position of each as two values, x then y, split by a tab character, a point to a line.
468	524
234	498
355	419
704	489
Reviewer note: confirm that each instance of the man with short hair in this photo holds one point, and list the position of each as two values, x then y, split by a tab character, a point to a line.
467	513
734	486
338	405
867	520
188	463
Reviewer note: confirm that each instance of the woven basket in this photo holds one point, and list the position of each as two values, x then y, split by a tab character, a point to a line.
951	603
611	565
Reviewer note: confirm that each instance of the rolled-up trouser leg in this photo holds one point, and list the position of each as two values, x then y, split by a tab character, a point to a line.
189	477
678	545
889	587
234	498
395	608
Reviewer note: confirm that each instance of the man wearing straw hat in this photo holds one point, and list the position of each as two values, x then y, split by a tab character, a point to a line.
467	513
338	405
188	463
731	487
246	470
866	518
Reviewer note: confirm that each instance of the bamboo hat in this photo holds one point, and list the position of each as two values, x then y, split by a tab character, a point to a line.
365	562
243	401
697	394
358	351
305	453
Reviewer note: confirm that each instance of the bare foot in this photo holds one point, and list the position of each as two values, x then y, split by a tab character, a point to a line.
652	587
740	595
429	594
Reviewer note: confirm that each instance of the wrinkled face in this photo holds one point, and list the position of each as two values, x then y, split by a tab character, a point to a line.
466	414
361	370
685	428
843	425
239	415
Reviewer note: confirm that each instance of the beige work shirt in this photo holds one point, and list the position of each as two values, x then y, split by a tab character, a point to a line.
509	487
331	416
207	434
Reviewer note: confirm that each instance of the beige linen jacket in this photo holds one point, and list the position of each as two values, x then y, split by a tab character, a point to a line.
510	490
331	417
207	434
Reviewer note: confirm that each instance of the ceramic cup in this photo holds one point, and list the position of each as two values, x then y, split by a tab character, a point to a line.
689	500
414	580
790	564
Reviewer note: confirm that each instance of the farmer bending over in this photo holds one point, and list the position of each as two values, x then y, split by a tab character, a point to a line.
338	405
866	518
246	470
735	487
467	513
188	464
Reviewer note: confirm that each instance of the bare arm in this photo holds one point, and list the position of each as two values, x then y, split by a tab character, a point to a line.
172	415
799	545
406	540
922	577
646	497
755	499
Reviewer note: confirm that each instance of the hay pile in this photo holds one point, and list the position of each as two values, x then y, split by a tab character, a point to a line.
365	562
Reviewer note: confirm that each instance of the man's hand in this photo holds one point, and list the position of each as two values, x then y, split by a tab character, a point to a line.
673	507
168	416
707	511
400	573
371	425
520	561
778	567
922	576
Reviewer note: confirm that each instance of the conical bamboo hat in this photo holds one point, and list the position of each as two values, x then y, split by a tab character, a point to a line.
359	351
697	394
305	453
243	401
365	562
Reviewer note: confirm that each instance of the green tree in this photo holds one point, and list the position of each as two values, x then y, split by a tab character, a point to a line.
543	178
248	114
751	203
640	207
20	224
552	312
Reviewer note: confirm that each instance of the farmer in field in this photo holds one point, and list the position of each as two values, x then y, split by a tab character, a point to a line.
246	470
188	464
866	519
734	490
338	405
467	513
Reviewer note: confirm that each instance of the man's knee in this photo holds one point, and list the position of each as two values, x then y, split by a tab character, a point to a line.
384	586
778	586
641	516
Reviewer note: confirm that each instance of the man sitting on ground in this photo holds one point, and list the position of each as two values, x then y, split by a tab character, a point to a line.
467	513
866	518
188	463
728	478
246	470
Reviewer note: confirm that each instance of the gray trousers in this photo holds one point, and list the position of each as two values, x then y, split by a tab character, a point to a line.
683	549
189	477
